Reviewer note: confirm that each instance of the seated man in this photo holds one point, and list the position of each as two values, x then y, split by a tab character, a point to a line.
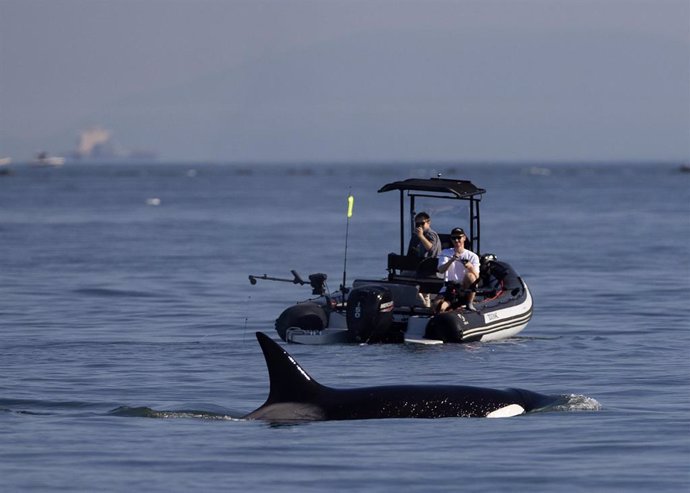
461	266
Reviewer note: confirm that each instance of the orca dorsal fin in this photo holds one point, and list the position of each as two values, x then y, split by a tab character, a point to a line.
288	381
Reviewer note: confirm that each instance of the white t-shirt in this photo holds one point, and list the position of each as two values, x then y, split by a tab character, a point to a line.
456	271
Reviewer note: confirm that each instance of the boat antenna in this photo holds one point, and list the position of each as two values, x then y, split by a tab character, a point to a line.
350	203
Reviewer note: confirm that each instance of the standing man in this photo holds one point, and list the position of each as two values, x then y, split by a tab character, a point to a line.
424	242
459	266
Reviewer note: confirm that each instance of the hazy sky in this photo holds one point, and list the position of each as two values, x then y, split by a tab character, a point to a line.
339	80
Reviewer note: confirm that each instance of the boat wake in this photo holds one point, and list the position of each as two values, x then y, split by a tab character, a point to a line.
572	403
147	412
114	293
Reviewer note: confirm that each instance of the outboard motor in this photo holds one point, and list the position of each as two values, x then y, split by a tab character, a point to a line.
369	314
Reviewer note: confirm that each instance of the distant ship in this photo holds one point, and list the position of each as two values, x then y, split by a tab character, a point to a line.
43	159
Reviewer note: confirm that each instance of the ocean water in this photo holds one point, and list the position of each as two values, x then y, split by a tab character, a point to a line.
127	321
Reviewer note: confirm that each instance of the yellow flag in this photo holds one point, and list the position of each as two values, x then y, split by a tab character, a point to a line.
350	203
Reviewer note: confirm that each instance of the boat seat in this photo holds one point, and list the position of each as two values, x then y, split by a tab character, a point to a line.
404	269
428	267
402	263
410	266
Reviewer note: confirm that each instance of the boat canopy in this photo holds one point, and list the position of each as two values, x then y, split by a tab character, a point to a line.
460	189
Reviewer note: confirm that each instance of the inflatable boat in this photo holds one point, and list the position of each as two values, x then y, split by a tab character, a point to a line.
399	308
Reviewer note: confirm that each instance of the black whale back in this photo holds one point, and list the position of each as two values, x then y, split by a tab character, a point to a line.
295	396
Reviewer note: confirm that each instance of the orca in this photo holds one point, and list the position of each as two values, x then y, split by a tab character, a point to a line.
295	396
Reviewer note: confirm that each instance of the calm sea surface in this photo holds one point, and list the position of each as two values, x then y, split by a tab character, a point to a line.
127	322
